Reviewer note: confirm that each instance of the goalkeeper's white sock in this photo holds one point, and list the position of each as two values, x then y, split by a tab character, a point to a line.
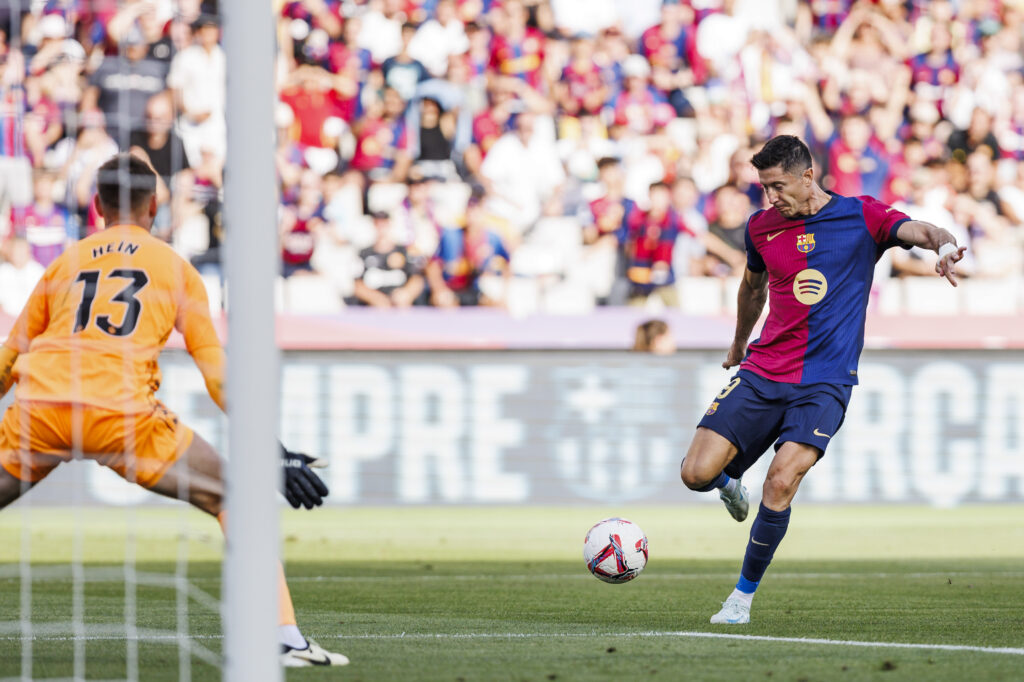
290	636
287	632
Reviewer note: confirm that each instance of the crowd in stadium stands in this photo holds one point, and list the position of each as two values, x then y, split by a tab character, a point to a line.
543	155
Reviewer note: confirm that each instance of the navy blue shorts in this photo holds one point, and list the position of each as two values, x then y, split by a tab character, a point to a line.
753	413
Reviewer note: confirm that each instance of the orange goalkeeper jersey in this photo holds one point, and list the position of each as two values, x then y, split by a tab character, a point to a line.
96	322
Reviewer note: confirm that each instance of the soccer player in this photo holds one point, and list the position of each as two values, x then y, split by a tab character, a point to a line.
84	355
813	255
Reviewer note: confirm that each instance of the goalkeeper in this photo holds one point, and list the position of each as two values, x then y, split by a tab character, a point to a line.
84	355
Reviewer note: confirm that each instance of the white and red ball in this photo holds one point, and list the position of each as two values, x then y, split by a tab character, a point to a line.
615	550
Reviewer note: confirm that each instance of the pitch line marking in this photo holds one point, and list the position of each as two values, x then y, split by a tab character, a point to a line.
57	632
647	577
167	580
696	635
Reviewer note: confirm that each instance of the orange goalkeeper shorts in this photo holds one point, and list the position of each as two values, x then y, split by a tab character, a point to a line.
35	437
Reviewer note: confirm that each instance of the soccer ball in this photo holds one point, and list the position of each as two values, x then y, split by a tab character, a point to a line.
615	550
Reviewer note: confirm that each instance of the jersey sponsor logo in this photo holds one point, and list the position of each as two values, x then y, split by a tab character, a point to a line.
810	286
805	243
770	237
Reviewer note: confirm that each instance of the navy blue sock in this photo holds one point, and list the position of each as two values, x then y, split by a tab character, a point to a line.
766	533
719	482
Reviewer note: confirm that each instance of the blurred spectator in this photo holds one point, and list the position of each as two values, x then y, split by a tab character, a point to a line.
639	107
381	29
15	144
158	140
440	39
402	72
46	226
122	85
655	337
517	49
605	221
581	89
649	241
19	274
92	147
198	77
978	135
309	93
691	245
725	239
389	278
919	103
414	223
471	266
522	171
382	144
857	163
301	223
435	139
160	145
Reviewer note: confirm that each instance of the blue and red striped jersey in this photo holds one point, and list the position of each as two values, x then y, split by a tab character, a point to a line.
819	277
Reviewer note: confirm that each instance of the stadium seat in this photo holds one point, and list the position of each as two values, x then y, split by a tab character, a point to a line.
311	295
700	295
339	262
930	296
730	285
990	296
889	298
214	293
523	296
279	297
562	233
570	297
535	260
192	237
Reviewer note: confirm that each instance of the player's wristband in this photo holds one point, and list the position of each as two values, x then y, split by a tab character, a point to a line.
946	249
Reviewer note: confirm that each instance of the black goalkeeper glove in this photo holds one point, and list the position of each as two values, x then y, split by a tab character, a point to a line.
302	487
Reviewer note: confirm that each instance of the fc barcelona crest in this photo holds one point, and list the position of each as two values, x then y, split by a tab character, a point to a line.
712	409
805	243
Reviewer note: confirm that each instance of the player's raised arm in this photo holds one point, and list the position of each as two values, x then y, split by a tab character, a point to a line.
750	302
928	236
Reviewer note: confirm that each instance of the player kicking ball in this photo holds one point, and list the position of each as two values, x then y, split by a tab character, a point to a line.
84	355
812	254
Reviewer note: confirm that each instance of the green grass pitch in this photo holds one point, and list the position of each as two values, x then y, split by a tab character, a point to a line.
502	593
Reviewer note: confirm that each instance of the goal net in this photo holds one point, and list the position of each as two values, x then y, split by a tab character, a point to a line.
98	577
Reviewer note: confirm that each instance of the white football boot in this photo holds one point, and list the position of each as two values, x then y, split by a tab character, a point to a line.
737	502
734	612
313	654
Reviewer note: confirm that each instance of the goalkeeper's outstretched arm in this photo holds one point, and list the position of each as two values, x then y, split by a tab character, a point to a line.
211	362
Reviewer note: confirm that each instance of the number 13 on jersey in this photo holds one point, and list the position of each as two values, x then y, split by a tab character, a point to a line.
91	279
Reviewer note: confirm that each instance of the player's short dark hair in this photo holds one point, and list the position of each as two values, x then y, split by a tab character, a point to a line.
606	161
787	151
125	178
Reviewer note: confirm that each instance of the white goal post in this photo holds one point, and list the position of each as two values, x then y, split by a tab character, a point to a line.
251	262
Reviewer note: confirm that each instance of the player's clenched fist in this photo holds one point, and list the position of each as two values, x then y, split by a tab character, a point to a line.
736	352
300	485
